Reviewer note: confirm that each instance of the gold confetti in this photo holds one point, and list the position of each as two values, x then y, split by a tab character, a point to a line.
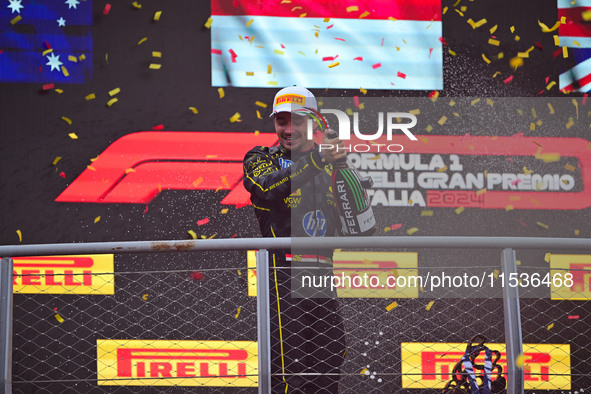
157	15
442	169
542	225
495	74
249	23
73	59
261	104
548	87
430	305
235	118
225	181
586	15
81	57
494	42
208	23
224	211
556	40
194	110
363	371
250	73
564	52
426	213
192	234
156	54
112	101
221	92
155	66
490	102
577	232
91	168
550	326
476	25
130	170
496	273
493	29
519	361
415	111
442	120
20	235
45	52
451	52
391	306
56	160
198	181
16	19
237	313
546	29
136	5
97	219
114	92
509	208
548	157
73	136
481	191
366	13
59	318
333	64
412	230
65	71
278	52
475	101
140	42
485	59
352	8
547	257
364	91
259	114
429	128
569	167
91	96
67	120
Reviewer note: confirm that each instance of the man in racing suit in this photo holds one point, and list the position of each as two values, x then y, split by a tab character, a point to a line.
291	194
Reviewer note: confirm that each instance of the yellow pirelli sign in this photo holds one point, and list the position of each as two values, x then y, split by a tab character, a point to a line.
364	274
427	365
79	274
177	363
579	266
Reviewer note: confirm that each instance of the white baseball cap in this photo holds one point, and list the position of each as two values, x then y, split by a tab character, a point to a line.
292	98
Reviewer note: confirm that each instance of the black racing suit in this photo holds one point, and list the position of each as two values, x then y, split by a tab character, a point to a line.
307	334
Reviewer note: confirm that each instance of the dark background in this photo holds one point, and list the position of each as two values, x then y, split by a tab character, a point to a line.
33	134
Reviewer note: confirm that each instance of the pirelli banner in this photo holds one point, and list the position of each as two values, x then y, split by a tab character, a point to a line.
177	363
427	365
79	274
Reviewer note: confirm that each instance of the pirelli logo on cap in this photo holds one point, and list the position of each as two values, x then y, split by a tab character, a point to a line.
177	363
79	274
427	365
290	99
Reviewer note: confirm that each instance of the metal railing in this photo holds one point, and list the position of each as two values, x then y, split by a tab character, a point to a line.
511	307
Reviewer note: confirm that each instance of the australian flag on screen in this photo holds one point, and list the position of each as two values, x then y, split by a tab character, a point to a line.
45	41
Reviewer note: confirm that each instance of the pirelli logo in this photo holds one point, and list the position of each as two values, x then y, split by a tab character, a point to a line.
291	99
428	365
177	363
580	268
80	274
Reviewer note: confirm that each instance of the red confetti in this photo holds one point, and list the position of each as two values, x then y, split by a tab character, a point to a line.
377	65
396	226
433	93
401	75
442	40
573	316
329	58
506	81
282	46
146	211
557	53
382	42
63	174
340	39
202	221
584	98
107	9
358	58
541	91
234	55
55	309
47	45
540	47
522	223
48	86
510	159
356	101
234	236
216	51
547	78
328	27
430	50
196	275
158	127
1	51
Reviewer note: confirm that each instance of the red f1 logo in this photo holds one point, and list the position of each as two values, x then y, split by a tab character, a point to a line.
136	167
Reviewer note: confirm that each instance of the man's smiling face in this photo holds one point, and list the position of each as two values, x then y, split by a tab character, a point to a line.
292	131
